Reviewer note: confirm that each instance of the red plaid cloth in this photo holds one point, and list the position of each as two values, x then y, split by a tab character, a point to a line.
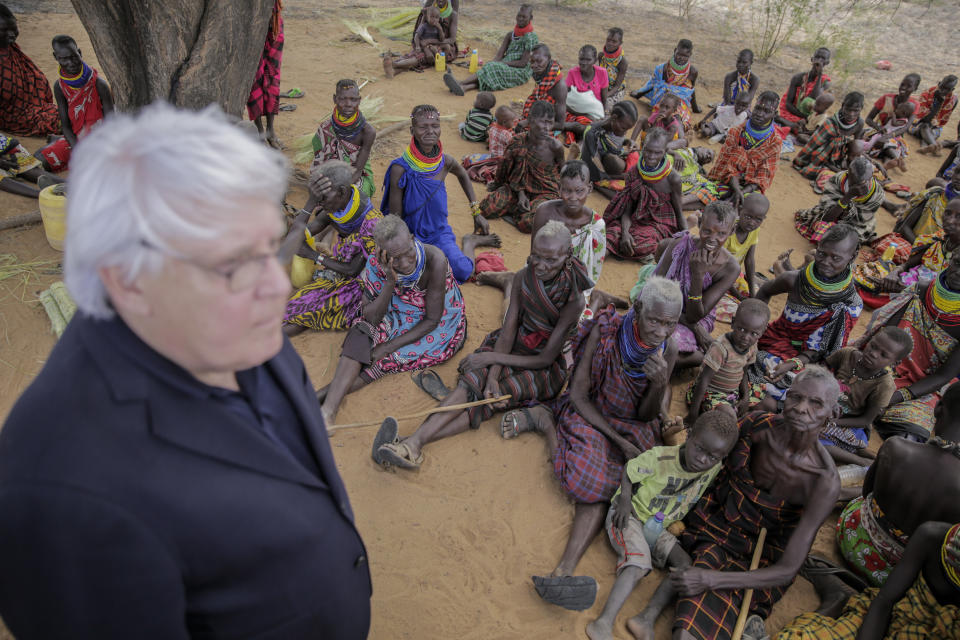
721	533
825	148
521	169
540	307
586	463
498	138
542	90
926	101
26	101
265	95
755	166
652	217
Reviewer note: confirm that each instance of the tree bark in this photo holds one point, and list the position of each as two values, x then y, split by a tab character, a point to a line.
188	52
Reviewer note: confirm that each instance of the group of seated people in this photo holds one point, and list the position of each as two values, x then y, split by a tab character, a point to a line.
775	406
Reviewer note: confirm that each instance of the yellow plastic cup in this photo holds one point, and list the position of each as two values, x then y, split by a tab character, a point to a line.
53	212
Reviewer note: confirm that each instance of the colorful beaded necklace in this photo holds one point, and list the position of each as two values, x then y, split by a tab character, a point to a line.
658	173
420	162
943	303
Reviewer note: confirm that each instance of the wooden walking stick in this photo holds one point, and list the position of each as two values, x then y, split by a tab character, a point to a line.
748	596
421	414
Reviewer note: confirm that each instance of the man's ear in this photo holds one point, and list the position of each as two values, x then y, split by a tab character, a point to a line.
125	295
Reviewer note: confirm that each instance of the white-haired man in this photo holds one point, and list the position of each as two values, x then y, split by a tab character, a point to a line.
182	485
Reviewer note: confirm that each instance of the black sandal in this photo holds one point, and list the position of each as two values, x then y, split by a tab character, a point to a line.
431	384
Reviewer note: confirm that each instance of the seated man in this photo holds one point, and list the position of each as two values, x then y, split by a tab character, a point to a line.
412	315
332	299
705	270
936	105
527	175
821	308
510	66
802	86
908	484
83	100
748	158
677	76
921	599
347	136
609	415
523	359
26	102
414	190
777	478
929	312
649	208
548	76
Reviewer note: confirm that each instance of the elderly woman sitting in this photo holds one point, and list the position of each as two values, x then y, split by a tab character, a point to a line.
851	196
411	317
332	300
523	359
610	414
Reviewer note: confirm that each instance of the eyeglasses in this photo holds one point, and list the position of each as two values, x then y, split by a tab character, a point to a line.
243	274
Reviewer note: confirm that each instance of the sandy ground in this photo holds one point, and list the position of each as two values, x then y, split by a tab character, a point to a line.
452	547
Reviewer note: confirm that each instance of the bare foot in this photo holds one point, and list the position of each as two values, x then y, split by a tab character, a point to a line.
473	240
782	263
498	279
641	626
272	140
598	630
388	66
602	299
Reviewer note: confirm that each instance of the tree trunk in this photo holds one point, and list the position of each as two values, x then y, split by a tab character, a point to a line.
188	52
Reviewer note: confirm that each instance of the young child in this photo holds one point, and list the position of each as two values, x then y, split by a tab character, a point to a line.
603	149
502	131
867	383
722	117
428	40
667	480
16	162
887	144
613	60
474	128
816	112
722	382
742	243
665	116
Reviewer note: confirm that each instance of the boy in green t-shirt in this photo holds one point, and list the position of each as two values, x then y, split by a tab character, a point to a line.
669	480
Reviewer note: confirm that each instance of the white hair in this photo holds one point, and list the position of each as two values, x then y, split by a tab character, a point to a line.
161	176
554	229
389	227
663	290
816	372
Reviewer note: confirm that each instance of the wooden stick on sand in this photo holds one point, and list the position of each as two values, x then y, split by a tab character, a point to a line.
421	414
748	596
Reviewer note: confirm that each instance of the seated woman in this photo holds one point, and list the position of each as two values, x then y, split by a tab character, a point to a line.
930	313
704	269
886	105
921	599
677	76
609	415
430	38
331	302
650	207
852	196
411	316
828	144
510	66
936	105
27	107
603	148
924	212
587	85
613	60
928	257
804	85
347	136
523	359
821	309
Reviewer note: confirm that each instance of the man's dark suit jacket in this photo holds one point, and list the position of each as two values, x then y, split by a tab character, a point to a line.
130	508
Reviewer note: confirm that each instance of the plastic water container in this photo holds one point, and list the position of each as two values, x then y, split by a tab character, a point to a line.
440	62
53	212
302	269
652	528
474	61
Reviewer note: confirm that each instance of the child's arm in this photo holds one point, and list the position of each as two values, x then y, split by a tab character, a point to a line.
623	507
744	404
676	129
728	81
750	270
877	401
710	114
417	44
694	107
699	391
